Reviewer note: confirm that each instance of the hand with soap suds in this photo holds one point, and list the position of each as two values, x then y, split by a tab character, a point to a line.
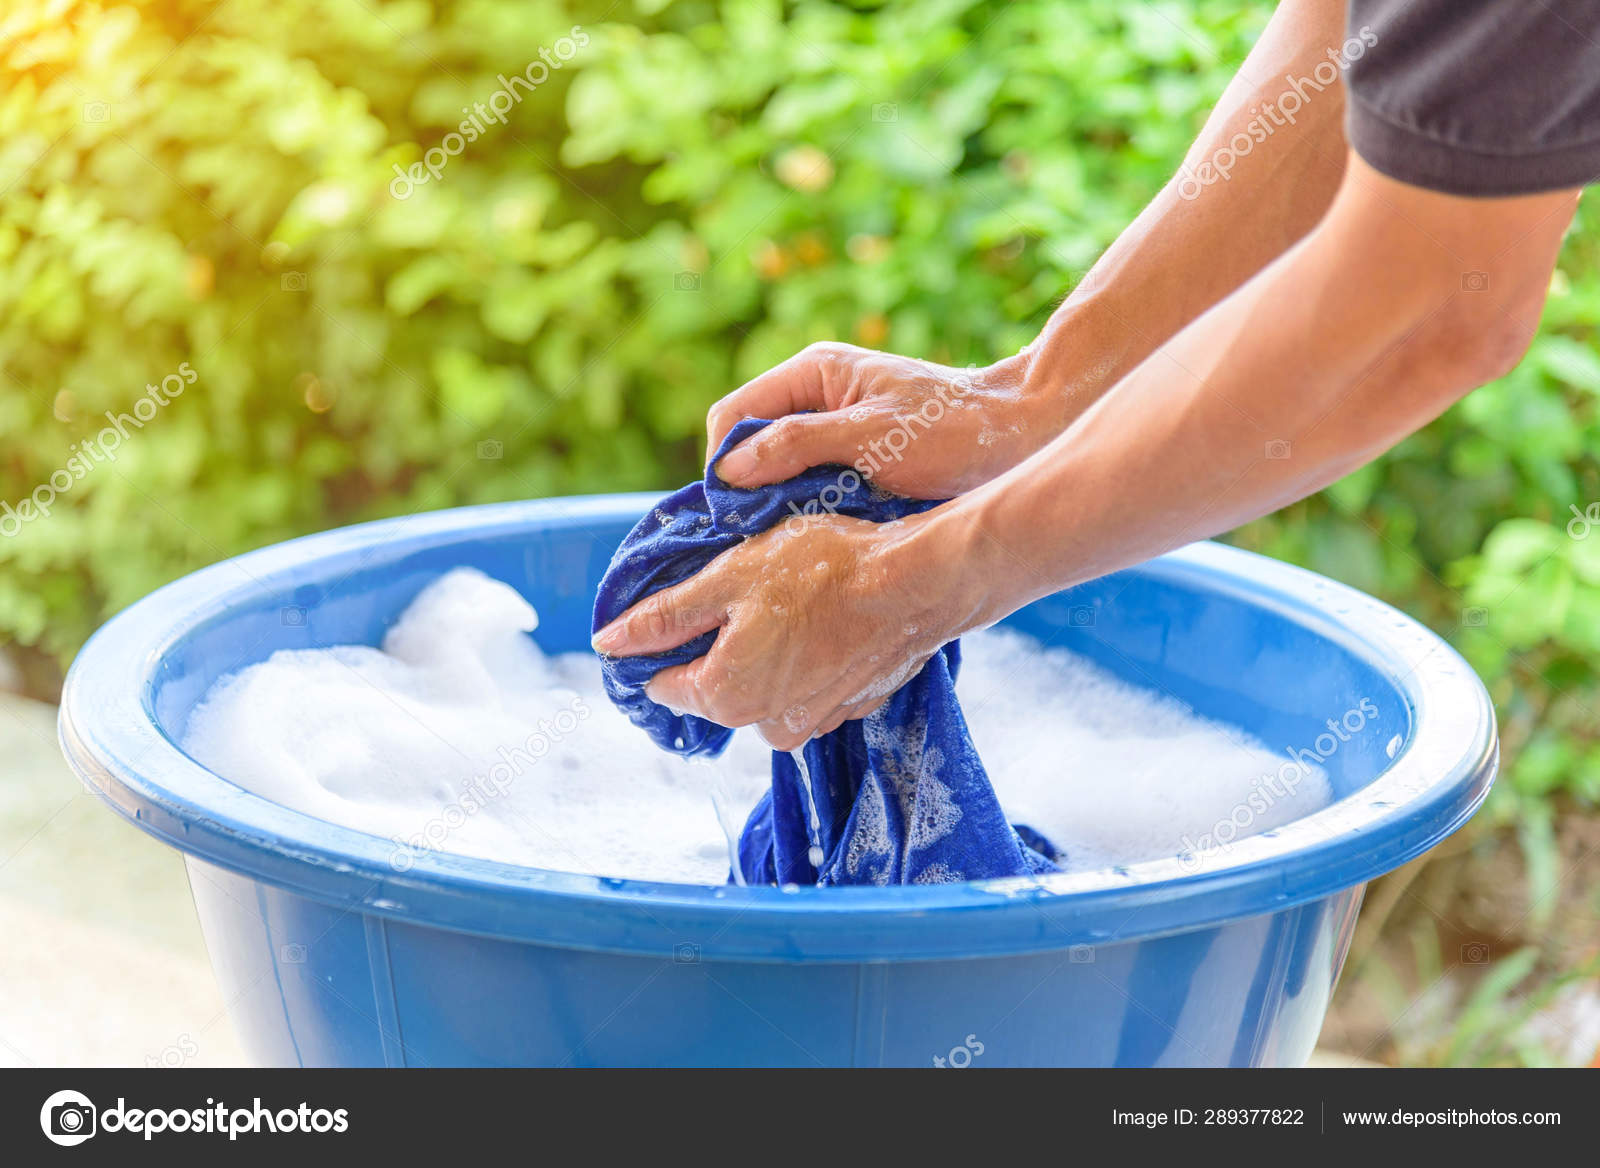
875	779
817	623
1260	330
914	428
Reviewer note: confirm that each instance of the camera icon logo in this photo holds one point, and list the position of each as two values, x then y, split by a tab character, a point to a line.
293	616
686	282
1277	449
96	111
292	282
885	111
67	1118
292	954
1476	953
1081	616
1474	618
490	449
686	954
1474	281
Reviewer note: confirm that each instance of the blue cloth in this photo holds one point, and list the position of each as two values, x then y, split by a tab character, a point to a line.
898	797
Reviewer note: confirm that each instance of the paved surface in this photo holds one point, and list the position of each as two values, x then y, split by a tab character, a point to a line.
102	962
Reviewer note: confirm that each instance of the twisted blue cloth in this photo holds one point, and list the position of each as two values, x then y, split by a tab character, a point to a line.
898	797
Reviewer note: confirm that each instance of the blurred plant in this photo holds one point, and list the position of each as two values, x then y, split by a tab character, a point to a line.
701	191
1440	1017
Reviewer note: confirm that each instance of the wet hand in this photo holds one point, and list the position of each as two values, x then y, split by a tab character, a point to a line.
818	623
918	429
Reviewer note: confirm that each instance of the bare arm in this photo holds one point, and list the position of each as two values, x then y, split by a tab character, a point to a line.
1191	246
1274	163
1363	332
1356	336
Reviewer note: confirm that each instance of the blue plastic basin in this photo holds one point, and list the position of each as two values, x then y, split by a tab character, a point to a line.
329	957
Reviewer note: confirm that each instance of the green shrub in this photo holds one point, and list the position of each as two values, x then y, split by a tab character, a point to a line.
701	190
215	184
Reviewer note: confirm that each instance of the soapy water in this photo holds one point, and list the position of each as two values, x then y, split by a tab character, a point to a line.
813	820
459	735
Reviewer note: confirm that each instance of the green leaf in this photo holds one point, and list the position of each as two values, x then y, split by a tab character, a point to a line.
1568	361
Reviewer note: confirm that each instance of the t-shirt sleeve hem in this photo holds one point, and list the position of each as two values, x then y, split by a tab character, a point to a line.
1415	158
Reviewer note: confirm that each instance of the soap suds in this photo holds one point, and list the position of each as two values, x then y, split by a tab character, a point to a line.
460	735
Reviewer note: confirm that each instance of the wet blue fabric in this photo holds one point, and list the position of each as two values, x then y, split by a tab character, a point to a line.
898	797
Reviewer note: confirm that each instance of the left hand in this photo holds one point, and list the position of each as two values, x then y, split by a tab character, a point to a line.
918	429
818	626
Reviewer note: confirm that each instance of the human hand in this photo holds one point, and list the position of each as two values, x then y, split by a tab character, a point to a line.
818	624
918	429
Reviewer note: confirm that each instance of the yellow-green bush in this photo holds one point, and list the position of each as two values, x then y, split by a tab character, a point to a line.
700	190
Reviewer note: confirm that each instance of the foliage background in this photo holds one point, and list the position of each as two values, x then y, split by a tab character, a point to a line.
704	189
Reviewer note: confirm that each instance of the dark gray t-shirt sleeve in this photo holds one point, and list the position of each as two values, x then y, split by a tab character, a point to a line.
1477	97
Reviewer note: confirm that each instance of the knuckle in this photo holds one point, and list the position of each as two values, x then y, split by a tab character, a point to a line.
726	713
721	701
653	620
826	352
781	435
780	737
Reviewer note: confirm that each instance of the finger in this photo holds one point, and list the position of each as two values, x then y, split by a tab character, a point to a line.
825	711
693	689
847	714
856	702
863	709
791	734
822	713
791	445
791	731
790	387
665	620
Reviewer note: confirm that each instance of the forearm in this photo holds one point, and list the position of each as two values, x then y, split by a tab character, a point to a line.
1190	247
1196	243
1357	336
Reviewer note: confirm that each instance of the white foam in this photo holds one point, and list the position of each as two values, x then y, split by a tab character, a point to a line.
459	735
1112	772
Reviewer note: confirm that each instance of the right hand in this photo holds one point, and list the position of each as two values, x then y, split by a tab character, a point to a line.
918	429
817	625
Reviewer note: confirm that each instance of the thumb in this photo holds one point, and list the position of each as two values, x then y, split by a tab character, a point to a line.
664	620
801	383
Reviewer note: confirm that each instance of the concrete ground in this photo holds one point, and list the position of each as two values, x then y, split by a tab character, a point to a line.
103	963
